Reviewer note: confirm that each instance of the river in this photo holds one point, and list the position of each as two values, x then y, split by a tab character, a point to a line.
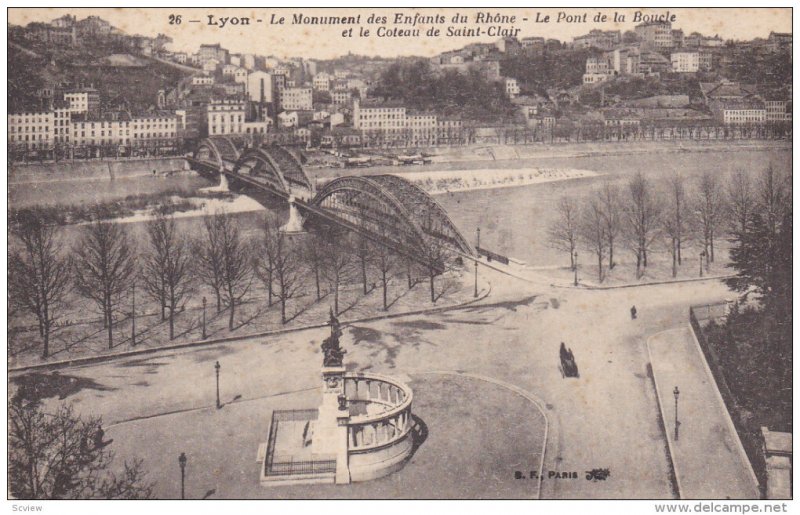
513	220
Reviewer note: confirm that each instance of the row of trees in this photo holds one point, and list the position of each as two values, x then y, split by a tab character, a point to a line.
646	216
106	268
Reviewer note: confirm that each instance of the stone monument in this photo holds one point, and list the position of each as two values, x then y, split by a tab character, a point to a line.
330	429
361	430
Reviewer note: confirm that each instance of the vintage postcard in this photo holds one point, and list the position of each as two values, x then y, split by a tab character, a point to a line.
400	253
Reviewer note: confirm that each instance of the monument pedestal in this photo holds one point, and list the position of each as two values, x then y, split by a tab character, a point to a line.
330	428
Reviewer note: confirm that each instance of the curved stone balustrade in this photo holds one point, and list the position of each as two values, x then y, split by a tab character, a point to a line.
378	441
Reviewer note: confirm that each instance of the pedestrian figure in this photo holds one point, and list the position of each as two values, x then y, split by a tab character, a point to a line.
633	312
98	438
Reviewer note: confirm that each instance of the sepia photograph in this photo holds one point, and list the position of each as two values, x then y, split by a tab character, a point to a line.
371	253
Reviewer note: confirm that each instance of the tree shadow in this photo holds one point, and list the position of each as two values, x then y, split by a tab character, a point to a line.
365	334
258	312
351	305
301	311
419	324
35	386
406	291
69	345
447	285
194	323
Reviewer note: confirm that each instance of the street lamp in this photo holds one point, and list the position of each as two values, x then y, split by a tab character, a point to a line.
676	393
182	463
133	313
204	318
216	368
476	279
576	267
478	242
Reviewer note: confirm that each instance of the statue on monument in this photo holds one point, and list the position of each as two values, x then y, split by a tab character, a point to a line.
332	352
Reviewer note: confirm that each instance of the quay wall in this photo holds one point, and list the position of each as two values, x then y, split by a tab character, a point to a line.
20	173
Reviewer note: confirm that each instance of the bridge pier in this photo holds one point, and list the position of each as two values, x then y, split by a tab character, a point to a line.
296	220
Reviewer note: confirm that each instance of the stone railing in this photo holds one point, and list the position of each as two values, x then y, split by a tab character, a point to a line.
375	430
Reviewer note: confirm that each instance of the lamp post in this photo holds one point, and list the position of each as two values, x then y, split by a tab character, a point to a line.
576	268
676	393
204	318
478	241
216	369
475	294
182	463
133	313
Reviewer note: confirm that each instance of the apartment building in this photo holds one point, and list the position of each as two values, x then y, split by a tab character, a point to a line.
225	116
296	99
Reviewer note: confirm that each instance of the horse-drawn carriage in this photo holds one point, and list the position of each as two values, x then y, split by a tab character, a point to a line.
568	366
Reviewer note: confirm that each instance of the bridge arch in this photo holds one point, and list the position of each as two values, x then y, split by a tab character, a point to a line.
393	208
218	149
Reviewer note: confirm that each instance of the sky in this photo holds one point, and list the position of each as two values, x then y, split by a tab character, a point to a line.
328	41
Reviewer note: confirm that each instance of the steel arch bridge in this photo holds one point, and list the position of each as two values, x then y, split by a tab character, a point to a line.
276	169
218	149
394	209
387	209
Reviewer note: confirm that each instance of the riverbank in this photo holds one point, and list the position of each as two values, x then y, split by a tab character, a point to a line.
93	170
536	154
591	149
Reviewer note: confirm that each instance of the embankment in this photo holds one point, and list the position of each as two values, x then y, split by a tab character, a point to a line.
496	152
93	170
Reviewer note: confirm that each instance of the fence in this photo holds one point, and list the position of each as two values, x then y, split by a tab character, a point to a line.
751	440
492	255
709	312
292	467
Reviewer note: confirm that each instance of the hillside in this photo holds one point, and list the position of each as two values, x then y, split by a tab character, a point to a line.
121	78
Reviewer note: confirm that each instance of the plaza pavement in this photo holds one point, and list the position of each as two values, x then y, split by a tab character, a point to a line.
607	418
709	460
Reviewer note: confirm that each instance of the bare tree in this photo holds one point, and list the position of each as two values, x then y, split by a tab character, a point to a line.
104	268
337	262
741	201
677	195
60	456
671	231
563	232
364	254
708	210
642	213
166	273
592	231
155	260
612	217
38	272
288	271
236	270
385	261
774	191
312	254
436	253
264	255
208	259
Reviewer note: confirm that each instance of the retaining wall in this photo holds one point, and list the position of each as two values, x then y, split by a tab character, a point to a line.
93	170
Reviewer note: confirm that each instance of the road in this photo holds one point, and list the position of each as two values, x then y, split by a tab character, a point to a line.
607	418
